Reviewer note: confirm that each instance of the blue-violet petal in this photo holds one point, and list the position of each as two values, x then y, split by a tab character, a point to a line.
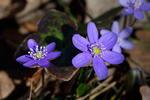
146	7
117	48
104	31
100	68
50	47
123	3
53	55
32	44
127	11
126	32
113	57
24	58
81	59
115	27
30	63
108	40
126	44
92	32
43	63
138	14
80	42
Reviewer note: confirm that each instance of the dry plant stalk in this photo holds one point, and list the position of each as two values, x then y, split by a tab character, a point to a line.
100	86
103	90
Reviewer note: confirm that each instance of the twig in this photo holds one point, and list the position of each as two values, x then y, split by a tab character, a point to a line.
30	95
43	77
101	85
97	88
124	22
147	15
38	87
132	22
92	80
102	91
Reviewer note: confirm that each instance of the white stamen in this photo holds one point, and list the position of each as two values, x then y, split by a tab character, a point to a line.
31	49
38	53
41	48
99	46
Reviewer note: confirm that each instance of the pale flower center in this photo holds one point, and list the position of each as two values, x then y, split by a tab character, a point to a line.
38	53
119	40
136	5
96	49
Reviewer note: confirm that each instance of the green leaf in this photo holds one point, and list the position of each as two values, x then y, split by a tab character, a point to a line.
133	39
145	44
82	89
56	26
90	73
56	98
52	29
131	78
81	74
146	28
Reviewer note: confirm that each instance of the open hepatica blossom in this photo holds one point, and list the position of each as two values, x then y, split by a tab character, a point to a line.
98	49
135	7
122	41
38	55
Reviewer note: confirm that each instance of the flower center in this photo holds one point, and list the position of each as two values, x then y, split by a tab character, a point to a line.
96	49
136	5
119	40
38	53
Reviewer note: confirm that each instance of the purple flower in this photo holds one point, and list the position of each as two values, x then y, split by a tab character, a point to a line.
122	36
135	7
38	55
98	49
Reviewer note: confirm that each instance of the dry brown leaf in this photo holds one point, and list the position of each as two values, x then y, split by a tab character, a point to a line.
6	85
145	92
141	53
52	26
62	73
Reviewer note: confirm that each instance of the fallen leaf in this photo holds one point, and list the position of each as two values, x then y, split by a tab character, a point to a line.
56	27
141	53
6	85
145	92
